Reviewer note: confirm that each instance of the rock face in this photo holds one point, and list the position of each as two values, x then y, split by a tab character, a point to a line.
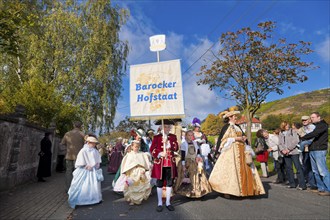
19	147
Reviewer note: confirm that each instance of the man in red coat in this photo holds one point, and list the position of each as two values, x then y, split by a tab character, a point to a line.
164	168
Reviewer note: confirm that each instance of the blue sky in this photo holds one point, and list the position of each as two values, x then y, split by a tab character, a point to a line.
192	27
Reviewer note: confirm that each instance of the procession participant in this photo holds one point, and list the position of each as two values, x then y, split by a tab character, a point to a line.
191	181
202	142
85	187
134	166
164	167
199	136
232	175
118	182
144	147
149	136
115	156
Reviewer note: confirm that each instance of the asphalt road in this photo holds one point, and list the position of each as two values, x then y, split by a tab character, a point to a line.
278	203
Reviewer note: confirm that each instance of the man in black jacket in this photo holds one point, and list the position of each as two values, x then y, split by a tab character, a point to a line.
318	152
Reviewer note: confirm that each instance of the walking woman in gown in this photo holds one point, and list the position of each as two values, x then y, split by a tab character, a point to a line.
116	156
85	187
232	175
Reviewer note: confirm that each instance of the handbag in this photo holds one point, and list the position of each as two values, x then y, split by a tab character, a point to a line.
99	175
248	158
259	149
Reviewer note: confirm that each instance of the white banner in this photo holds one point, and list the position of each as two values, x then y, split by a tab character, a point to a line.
156	91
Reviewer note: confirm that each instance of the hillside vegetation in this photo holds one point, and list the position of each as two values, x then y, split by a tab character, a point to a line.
298	105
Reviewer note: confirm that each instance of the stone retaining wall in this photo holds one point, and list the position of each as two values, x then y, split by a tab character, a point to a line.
19	147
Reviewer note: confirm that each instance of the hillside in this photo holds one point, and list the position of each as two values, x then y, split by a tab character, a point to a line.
302	104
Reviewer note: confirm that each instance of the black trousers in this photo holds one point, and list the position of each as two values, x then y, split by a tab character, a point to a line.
167	176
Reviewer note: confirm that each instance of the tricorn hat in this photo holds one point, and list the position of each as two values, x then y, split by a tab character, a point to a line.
166	122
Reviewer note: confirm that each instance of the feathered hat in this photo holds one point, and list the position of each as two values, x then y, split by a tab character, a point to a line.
196	122
230	112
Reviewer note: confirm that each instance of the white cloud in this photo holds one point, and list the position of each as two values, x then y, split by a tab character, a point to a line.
289	27
323	31
200	101
323	49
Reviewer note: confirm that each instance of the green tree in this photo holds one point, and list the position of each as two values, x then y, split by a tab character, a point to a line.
251	66
271	122
74	48
212	125
127	125
16	17
112	137
18	21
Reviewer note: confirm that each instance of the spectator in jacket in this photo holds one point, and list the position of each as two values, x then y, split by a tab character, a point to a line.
272	142
288	139
307	128
73	141
317	152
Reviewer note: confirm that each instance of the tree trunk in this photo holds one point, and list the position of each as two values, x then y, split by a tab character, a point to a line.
248	118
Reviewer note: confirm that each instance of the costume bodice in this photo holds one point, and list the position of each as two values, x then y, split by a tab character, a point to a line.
238	132
191	153
198	135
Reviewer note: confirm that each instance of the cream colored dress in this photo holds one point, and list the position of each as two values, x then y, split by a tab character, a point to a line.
136	168
197	186
231	175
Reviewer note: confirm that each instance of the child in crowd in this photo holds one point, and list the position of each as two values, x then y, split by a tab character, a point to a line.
135	164
191	181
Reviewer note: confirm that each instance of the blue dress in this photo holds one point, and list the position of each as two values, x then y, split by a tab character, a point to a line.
85	187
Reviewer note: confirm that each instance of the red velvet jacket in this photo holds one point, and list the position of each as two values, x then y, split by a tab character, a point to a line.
156	148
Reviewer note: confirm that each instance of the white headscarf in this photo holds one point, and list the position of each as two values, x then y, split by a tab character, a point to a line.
88	156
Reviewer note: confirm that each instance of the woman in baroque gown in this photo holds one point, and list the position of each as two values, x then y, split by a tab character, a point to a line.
205	149
191	181
85	188
115	156
232	175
